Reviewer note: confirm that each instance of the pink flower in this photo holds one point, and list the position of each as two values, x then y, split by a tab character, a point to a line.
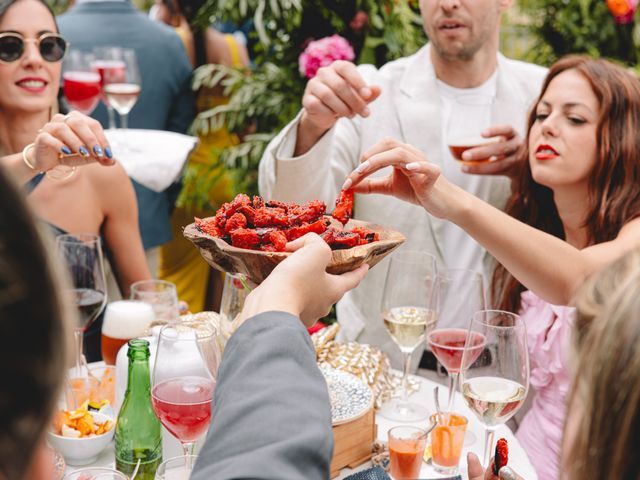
323	52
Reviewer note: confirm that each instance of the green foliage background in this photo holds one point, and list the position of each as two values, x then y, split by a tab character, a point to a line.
268	96
561	27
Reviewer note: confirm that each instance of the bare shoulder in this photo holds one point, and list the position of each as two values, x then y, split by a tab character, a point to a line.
631	231
109	182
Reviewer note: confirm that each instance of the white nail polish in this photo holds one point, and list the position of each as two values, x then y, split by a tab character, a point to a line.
363	166
412	166
347	184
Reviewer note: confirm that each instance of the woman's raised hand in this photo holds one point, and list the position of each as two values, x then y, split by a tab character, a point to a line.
412	179
73	140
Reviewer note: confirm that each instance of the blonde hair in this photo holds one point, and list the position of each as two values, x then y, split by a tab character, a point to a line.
34	330
607	374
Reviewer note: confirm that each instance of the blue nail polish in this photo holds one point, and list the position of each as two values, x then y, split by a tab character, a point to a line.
66	150
107	152
97	150
83	151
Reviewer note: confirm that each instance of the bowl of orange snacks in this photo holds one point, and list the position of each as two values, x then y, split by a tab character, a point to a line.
81	434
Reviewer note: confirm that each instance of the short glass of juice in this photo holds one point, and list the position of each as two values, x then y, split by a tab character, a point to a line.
406	448
447	439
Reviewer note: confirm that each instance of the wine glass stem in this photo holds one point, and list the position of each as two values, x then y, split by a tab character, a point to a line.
78	333
112	117
124	117
488	443
405	377
187	449
453	381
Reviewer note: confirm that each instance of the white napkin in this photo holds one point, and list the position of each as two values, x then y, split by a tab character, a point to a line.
153	158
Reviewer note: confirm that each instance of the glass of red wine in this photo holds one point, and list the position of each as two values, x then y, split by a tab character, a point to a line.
80	83
183	380
459	294
82	254
109	62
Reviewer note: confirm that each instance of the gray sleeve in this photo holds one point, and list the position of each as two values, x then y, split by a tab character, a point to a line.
271	411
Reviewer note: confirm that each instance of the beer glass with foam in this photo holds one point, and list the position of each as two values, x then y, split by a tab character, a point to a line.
123	321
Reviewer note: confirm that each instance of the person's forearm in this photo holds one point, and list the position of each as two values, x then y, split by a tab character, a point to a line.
20	171
546	265
307	135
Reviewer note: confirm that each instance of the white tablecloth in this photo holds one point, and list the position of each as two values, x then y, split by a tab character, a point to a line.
153	158
518	459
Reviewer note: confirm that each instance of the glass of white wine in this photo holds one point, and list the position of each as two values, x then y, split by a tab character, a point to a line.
408	314
495	384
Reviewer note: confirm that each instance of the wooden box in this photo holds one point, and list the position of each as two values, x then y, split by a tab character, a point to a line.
352	441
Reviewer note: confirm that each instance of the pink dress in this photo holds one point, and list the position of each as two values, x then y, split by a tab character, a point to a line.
548	338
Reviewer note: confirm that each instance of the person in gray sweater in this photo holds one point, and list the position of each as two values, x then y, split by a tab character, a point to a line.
271	410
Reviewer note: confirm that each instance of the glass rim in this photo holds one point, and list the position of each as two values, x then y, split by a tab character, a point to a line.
515	316
434	416
97	470
464	330
405	253
208	332
419	430
170	285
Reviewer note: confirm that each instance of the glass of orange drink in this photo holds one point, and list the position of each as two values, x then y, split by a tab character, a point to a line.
447	439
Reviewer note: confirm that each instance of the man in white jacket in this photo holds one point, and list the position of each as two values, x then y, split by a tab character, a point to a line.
459	77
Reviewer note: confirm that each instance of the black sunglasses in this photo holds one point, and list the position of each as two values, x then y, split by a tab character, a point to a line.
51	45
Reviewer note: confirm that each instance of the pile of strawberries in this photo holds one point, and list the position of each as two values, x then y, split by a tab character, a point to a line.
268	225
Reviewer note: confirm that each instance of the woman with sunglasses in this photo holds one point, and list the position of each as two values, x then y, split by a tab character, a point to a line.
89	198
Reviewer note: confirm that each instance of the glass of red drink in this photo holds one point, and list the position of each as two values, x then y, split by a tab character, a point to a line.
406	448
184	380
459	294
80	84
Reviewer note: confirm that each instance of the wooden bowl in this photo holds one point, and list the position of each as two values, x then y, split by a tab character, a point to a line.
257	265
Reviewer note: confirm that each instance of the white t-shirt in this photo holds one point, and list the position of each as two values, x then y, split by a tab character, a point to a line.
465	111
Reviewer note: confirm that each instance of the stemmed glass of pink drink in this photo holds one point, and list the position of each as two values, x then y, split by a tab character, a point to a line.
184	380
460	293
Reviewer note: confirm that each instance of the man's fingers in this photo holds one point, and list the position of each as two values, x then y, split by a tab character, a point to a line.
499	167
330	99
506	131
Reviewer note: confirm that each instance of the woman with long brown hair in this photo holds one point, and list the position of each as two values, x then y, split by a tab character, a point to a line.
574	208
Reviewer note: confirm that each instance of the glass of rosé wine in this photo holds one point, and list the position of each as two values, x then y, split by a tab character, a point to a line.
183	380
459	294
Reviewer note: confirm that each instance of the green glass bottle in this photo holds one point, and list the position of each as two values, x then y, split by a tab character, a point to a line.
138	432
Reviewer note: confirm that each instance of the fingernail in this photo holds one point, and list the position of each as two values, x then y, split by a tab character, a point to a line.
467	155
365	92
412	166
366	112
66	150
347	184
484	133
98	150
493	158
506	473
83	151
107	152
363	166
464	168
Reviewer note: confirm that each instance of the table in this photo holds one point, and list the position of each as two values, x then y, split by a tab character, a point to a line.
517	457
